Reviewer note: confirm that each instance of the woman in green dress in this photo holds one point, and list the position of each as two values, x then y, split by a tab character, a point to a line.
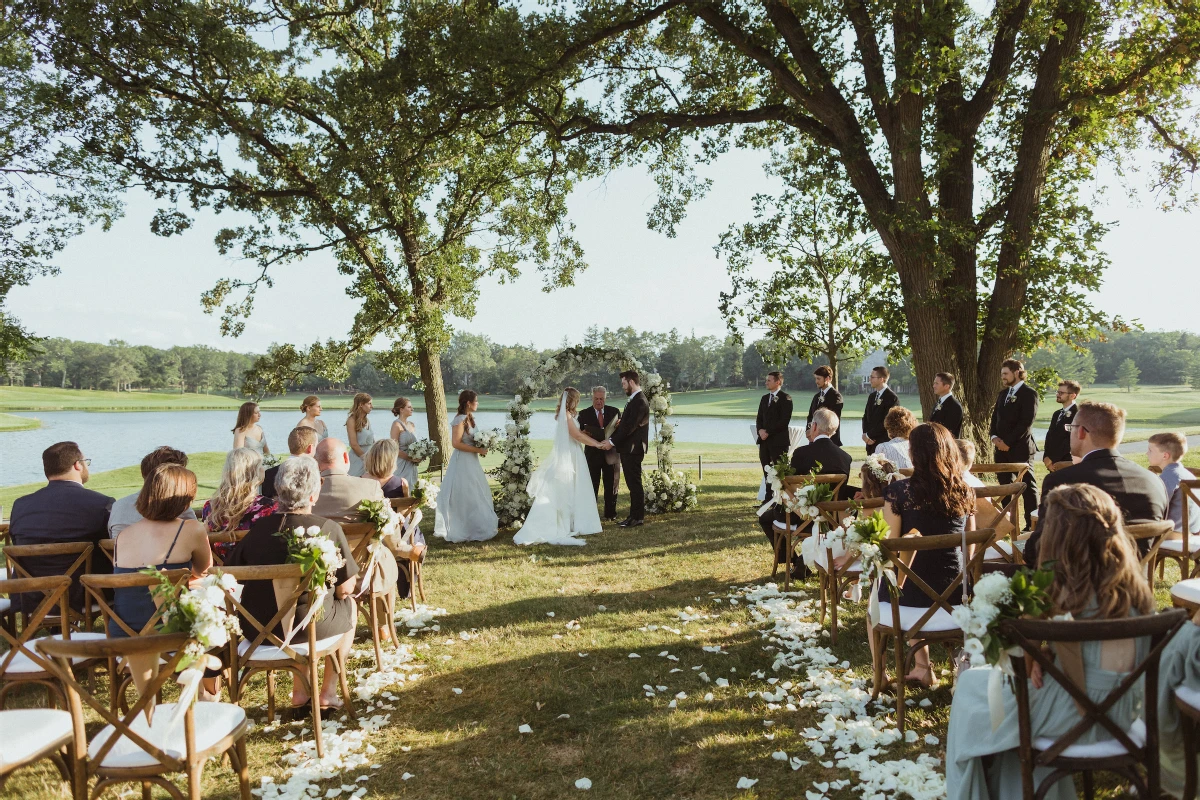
1096	577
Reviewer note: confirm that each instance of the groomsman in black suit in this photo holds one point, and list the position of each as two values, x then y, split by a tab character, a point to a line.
632	439
592	421
820	454
1058	440
1095	436
826	397
947	411
881	400
1012	430
774	416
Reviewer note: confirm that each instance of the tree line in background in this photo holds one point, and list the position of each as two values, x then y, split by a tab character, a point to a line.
474	361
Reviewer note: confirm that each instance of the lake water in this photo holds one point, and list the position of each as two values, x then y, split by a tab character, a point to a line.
119	439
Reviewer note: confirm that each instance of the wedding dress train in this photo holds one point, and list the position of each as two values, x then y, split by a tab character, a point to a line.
564	504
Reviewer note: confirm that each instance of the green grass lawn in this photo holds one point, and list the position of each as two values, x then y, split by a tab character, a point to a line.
516	665
8	422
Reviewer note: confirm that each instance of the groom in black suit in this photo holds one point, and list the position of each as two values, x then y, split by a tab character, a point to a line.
592	421
1012	429
632	439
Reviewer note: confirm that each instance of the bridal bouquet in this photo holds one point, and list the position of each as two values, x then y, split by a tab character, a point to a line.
320	557
422	450
425	493
198	611
271	460
488	440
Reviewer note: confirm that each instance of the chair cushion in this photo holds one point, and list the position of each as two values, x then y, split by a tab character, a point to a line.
5	603
268	652
1176	545
1188	590
1104	749
214	721
911	615
1188	695
23	664
27	732
1003	545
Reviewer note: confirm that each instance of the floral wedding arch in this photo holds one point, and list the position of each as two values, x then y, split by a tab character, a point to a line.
666	490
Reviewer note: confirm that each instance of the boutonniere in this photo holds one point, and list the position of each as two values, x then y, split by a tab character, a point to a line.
1012	398
879	398
937	406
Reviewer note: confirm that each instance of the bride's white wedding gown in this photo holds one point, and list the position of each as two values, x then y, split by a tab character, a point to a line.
564	505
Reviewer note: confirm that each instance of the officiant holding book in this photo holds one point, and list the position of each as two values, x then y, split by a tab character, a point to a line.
598	421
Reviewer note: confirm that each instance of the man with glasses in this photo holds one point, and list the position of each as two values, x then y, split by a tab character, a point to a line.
61	511
1057	448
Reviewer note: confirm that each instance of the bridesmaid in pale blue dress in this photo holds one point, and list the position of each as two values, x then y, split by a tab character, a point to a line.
359	436
404	433
1097	577
1179	669
247	432
312	409
465	511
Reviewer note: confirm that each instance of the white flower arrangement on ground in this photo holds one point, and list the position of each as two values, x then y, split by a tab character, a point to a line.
320	557
425	493
422	450
669	492
199	611
512	476
489	439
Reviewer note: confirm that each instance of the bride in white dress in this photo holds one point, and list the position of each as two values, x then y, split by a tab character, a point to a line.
564	505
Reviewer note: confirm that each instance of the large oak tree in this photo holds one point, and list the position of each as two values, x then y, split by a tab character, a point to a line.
969	132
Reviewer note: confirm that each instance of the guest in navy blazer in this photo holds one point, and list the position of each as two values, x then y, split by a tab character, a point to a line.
61	511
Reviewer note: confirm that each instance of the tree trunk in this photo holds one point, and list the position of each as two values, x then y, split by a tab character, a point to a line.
435	403
832	355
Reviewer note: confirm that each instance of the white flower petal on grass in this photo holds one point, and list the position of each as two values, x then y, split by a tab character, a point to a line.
583	783
563	716
549	613
746	783
926	703
910	736
708	698
407	776
524	729
456	690
931	739
634	655
779	755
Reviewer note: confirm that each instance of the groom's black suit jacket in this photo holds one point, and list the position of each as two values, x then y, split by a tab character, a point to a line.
589	424
633	432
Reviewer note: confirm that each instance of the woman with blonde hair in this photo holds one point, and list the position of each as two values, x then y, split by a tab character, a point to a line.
311	406
238	502
380	465
359	436
404	433
1096	576
465	511
564	502
247	432
898	423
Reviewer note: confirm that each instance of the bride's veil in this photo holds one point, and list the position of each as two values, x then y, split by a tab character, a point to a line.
554	479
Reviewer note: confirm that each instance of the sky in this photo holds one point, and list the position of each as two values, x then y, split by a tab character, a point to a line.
130	284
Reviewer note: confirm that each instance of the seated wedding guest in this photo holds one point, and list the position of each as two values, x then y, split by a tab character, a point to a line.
899	422
934	501
341	492
302	441
297	486
161	538
876	473
1095	435
380	465
1057	449
822	455
238	503
247	432
1166	451
1096	576
1178	669
986	514
311	406
966	451
61	511
124	511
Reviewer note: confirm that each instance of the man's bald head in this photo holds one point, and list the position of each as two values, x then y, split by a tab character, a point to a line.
331	455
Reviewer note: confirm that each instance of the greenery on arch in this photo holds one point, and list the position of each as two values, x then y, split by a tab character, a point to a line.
669	491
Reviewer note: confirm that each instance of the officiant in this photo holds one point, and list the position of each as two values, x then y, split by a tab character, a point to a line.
599	421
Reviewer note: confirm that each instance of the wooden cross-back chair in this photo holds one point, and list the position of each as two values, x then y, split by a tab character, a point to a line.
833	579
22	665
95	588
1153	533
407	506
372	599
910	627
402	504
20	565
1155	470
792	528
1185	550
1129	749
266	653
1004	499
27	735
127	750
226	537
1020	474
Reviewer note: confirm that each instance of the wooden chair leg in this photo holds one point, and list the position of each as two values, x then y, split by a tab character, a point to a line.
1191	745
834	596
823	585
270	696
194	774
243	768
900	708
1089	785
374	617
340	665
146	794
420	583
314	699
